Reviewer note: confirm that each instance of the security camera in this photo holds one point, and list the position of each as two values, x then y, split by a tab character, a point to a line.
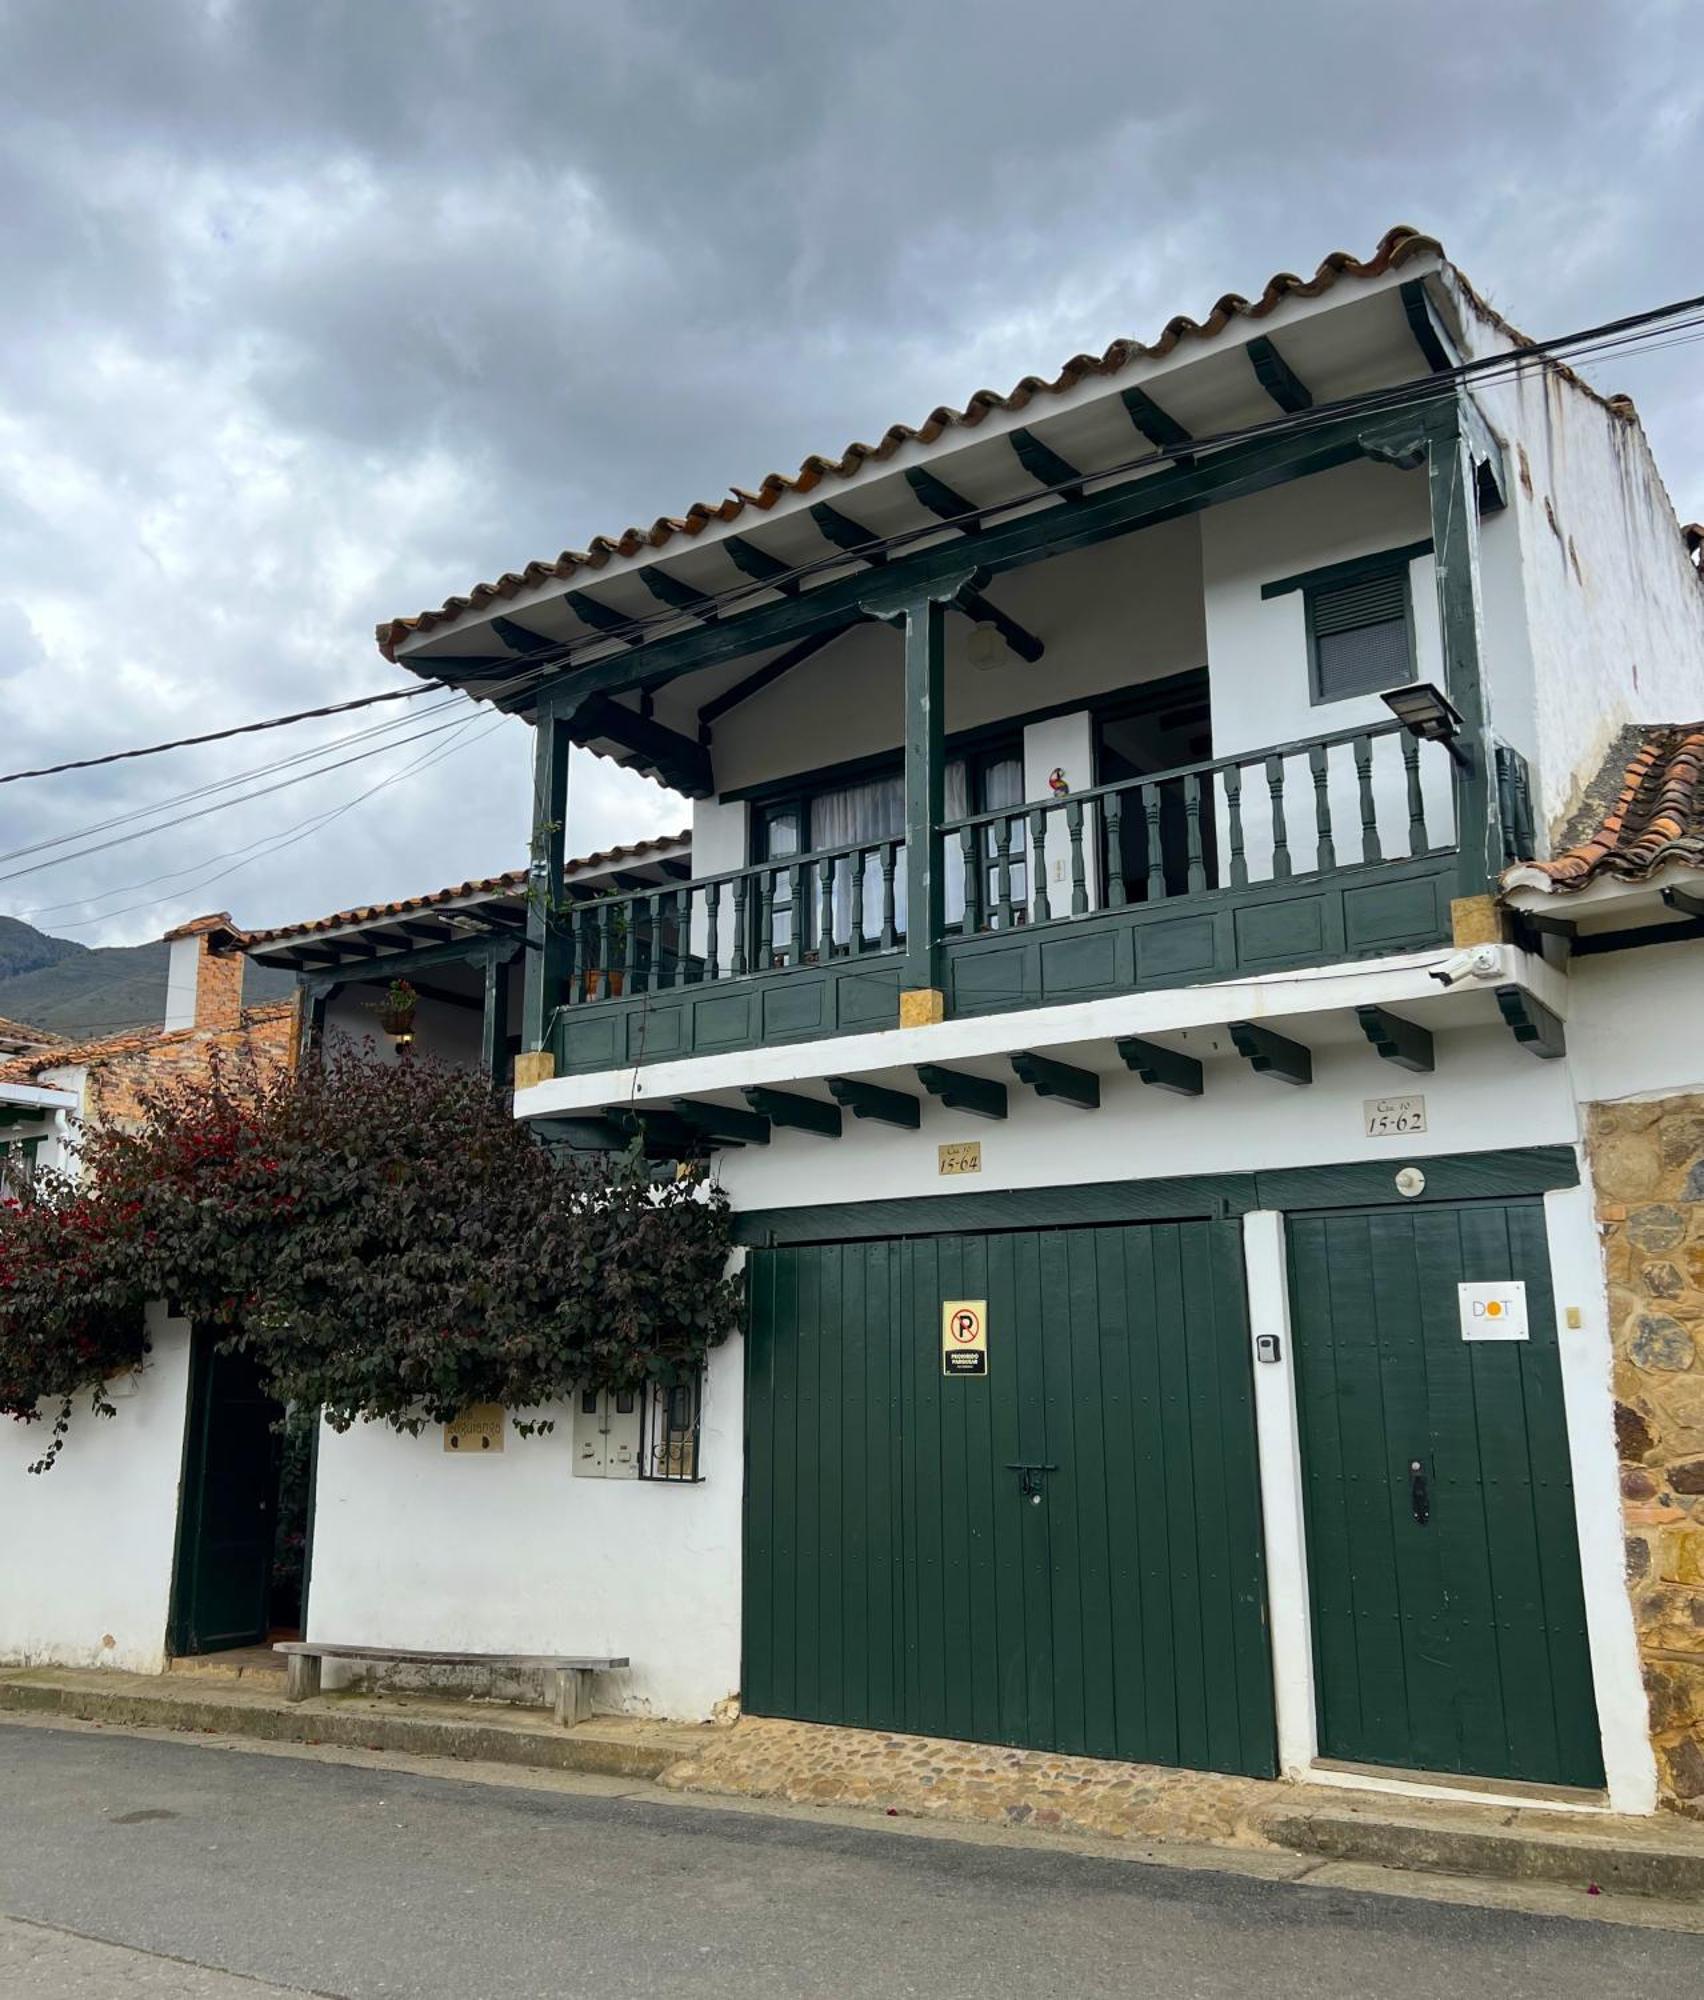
1480	961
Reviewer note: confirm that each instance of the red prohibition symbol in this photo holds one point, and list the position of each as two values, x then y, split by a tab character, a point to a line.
965	1326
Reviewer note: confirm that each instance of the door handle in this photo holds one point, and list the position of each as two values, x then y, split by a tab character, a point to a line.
1419	1498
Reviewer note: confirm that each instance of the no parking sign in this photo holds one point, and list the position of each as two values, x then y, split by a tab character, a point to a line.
964	1337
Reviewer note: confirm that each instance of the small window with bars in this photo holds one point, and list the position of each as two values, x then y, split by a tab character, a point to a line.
1360	635
670	1415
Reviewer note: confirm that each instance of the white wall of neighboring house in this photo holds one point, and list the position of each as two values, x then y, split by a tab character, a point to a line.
87	1578
1633	1022
1612	607
421	1548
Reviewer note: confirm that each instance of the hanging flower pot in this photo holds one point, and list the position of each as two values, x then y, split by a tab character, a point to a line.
396	1011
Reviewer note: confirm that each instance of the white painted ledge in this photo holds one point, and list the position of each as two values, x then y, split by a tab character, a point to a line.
1403	984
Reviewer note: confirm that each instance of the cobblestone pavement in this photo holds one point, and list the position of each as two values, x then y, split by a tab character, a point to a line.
807	1764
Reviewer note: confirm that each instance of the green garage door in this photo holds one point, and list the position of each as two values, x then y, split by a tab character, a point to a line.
1064	1553
1444	1573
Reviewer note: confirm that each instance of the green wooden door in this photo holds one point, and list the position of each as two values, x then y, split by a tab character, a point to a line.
896	1574
1458	1642
226	1522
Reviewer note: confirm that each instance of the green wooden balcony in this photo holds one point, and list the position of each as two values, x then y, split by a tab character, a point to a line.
1336	847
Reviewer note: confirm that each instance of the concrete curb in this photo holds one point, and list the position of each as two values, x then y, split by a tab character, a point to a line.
1438	1846
344	1728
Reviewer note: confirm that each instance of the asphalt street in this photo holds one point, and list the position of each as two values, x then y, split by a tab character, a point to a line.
142	1867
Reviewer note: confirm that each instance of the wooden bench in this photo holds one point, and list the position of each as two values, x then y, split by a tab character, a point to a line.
571	1675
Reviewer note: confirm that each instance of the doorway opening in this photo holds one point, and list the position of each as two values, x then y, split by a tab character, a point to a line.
245	1511
1167	837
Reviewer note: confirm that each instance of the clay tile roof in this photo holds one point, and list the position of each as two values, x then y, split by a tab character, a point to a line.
1643	811
1396	247
22	1031
70	1055
204	926
513	883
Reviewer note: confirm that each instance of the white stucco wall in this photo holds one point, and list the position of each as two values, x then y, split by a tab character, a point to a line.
87	1574
1633	1022
1111	617
417	1547
1613	608
1258	652
1479	1097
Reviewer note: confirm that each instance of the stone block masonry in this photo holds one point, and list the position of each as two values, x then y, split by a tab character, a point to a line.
1647	1162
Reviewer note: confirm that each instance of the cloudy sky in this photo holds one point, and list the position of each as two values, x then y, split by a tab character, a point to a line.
315	312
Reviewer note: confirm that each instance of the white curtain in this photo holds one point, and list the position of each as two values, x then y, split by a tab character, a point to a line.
871	812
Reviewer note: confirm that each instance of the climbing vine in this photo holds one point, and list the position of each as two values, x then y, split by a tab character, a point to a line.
385	1239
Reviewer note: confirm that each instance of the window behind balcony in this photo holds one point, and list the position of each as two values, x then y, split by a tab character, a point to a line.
1360	635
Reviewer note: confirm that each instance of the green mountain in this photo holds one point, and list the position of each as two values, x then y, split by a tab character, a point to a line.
79	989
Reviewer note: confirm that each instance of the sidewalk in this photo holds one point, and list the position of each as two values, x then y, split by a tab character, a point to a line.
915	1777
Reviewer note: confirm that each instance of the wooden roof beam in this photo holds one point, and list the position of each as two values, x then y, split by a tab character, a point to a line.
1044	465
680	762
1277	377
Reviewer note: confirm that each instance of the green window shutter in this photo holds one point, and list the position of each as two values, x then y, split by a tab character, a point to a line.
1360	636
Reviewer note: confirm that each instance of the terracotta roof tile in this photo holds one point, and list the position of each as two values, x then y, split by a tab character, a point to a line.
22	1031
1396	247
510	884
1643	811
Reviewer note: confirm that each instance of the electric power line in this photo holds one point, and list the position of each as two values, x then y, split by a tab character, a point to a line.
1609	337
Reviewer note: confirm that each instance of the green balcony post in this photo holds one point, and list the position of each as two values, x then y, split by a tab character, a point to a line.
1452	488
925	794
921	615
547	940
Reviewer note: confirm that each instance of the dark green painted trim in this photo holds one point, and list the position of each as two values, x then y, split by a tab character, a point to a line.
1402	1042
959	1090
1159	427
1162	1069
1270	1054
724	1123
1423	324
925	792
594	612
522	638
1278	378
1535	1027
1228	474
549	953
941	500
1380	563
759	565
1043	463
1522	1170
380	969
1064	1081
1628	940
983	611
875	1101
676	595
795	1113
682	764
845	533
1357	912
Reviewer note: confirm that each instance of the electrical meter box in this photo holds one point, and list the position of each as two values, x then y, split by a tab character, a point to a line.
606	1434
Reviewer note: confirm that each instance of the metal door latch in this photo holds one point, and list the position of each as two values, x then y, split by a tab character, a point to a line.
1032	1479
1418	1497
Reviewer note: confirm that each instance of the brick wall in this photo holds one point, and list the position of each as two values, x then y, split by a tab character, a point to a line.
1648	1167
115	1081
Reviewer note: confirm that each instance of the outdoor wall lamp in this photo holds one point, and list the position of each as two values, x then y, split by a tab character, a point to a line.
1426	713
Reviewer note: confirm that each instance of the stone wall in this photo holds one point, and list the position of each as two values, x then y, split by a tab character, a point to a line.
1647	1164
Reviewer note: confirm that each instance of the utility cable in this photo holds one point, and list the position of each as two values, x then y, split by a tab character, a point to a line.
1608	337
